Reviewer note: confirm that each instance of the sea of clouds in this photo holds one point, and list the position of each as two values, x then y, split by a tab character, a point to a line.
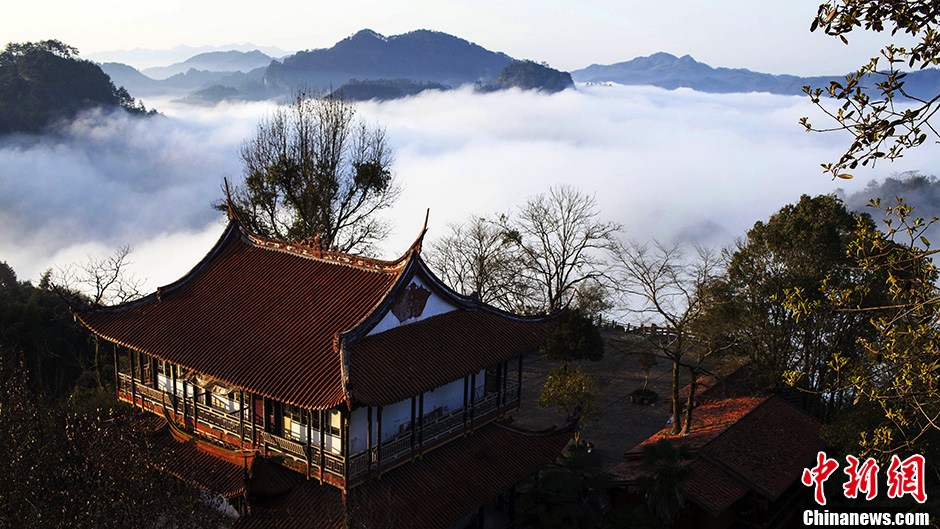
665	164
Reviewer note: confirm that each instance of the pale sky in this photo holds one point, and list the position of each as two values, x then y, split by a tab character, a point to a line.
760	35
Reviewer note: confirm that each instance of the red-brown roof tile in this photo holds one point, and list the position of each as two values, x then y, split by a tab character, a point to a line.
708	422
741	444
769	447
437	350
431	493
187	462
258	315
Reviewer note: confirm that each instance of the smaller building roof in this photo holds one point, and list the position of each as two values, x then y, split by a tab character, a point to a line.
738	445
437	350
431	493
190	462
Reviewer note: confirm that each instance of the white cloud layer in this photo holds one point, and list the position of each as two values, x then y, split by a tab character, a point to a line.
665	164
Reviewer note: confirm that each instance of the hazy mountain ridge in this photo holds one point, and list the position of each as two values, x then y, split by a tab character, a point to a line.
183	83
143	58
215	61
366	65
668	71
422	56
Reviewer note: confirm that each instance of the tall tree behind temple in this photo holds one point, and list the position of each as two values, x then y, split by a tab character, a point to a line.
800	252
315	171
562	239
44	82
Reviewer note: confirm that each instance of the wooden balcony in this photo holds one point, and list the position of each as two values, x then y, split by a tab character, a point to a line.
227	429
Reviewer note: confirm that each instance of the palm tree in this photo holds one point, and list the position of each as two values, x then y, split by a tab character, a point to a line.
665	471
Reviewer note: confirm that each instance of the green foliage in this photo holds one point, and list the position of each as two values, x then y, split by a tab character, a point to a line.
666	469
44	82
572	393
774	298
575	338
38	323
569	493
899	370
84	463
879	128
313	171
530	75
646	362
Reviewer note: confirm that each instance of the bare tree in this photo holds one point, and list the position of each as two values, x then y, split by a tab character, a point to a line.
660	283
314	171
562	241
477	257
97	282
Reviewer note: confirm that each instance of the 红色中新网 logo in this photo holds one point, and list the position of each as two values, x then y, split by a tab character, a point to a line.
904	477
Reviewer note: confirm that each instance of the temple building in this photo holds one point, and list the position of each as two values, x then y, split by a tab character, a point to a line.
330	386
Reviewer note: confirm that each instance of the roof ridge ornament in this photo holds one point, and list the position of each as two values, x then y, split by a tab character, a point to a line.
416	246
231	210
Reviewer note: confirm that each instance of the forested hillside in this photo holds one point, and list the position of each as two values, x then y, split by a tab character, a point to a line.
45	82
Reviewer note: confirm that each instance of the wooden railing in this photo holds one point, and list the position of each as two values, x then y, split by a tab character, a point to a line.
219	419
283	445
392	449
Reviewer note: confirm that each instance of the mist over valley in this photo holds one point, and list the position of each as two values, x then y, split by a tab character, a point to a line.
666	161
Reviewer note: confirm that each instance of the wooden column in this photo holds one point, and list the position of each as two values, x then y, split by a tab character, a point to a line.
117	379
411	436
344	441
241	418
504	375
323	429
499	386
466	381
473	397
185	400
133	382
378	449
175	368
251	416
420	423
369	440
519	386
195	407
309	421
264	423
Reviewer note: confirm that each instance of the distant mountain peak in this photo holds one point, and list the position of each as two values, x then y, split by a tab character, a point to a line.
369	34
661	56
422	55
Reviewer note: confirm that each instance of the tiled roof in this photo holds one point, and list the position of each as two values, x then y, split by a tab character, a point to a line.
708	422
769	447
431	493
741	444
186	461
272	318
256	315
437	350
